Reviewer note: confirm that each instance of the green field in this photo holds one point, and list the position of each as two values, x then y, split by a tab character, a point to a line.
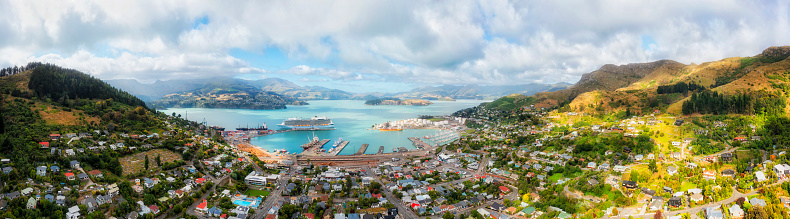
256	193
687	185
555	177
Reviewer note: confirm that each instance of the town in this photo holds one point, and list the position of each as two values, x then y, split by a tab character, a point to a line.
542	164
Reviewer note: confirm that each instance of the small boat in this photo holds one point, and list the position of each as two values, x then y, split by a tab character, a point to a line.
394	150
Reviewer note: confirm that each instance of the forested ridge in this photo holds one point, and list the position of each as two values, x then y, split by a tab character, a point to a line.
57	83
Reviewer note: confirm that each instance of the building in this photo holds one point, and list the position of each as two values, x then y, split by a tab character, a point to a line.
672	170
736	212
74	212
782	171
31	203
258	180
713	213
675	202
759	176
630	184
709	174
726	157
41	170
96	173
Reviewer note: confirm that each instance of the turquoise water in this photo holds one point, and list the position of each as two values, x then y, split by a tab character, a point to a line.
247	203
352	119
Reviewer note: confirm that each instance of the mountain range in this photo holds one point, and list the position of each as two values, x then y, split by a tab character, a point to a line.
740	85
174	89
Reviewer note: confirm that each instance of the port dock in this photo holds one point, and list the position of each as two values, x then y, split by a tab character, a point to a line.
417	142
339	148
402	149
315	144
362	149
381	150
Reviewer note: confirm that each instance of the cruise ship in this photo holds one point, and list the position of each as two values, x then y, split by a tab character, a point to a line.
315	123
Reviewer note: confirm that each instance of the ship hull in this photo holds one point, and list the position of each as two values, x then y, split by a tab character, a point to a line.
313	127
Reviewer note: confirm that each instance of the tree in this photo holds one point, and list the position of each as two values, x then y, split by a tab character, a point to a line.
657	215
146	161
756	212
653	167
447	215
158	160
525	197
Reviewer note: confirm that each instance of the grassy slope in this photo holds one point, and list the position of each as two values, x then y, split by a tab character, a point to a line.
613	88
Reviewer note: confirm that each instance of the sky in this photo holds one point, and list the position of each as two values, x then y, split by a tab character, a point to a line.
382	45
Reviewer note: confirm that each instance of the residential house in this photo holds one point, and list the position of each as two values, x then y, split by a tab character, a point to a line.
74	212
728	173
629	184
757	202
74	164
782	171
96	173
709	174
672	170
713	213
31	203
736	212
91	203
83	176
759	176
675	202
726	157
41	170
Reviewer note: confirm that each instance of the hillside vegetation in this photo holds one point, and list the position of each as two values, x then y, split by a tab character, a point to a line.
48	99
738	85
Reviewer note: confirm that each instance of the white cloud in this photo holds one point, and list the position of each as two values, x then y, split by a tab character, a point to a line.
426	42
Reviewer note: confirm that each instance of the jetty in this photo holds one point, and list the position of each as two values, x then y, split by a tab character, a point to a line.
381	150
362	149
339	148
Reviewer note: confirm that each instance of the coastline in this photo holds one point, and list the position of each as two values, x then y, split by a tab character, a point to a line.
257	151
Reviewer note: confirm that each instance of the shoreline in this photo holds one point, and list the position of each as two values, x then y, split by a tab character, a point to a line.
255	150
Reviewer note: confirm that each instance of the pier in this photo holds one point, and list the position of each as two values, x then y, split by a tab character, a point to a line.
362	149
381	150
315	145
339	148
417	142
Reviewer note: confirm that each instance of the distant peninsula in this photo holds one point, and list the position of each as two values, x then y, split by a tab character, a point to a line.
396	101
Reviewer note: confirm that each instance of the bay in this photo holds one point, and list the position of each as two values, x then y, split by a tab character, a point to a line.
352	120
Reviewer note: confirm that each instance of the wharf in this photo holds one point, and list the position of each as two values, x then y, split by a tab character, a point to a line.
362	149
417	142
315	144
339	148
381	150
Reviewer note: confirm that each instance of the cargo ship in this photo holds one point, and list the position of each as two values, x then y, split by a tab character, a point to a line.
315	123
259	128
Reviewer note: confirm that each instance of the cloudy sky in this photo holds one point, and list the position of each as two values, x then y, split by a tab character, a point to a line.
366	46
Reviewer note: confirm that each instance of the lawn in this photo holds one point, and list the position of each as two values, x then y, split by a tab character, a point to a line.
256	193
555	177
687	185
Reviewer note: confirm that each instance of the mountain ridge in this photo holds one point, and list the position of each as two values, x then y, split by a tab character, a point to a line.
633	87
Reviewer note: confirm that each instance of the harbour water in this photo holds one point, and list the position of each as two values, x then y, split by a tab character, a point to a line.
352	120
